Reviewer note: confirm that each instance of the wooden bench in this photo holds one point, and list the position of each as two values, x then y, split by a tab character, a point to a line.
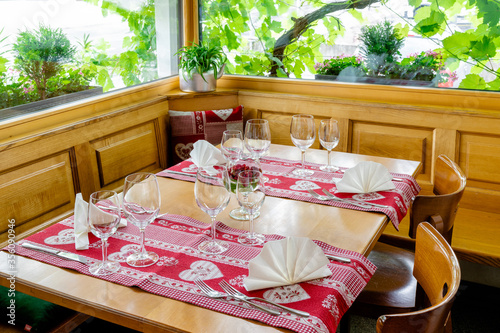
476	236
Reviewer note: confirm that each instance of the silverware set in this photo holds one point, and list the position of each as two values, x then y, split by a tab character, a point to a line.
358	203
230	291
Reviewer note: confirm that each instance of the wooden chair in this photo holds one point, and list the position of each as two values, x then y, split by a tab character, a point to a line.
438	273
393	289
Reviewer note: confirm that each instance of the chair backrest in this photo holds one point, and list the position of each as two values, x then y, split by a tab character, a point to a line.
438	273
440	209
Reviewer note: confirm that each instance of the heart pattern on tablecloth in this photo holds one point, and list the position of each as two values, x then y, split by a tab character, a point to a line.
223	114
66	236
124	252
200	269
192	168
286	294
183	150
304	185
368	196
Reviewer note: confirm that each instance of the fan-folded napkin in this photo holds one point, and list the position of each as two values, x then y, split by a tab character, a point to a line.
81	223
366	177
287	261
206	155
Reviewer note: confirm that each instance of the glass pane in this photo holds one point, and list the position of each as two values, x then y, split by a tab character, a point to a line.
446	44
53	50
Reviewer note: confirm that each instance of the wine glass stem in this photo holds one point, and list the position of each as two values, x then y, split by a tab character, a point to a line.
250	223
303	158
329	163
104	250
143	239
213	228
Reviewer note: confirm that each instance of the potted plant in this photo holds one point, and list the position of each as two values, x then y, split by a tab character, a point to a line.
342	68
380	45
200	66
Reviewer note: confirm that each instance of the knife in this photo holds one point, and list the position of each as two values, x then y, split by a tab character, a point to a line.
181	173
57	253
337	258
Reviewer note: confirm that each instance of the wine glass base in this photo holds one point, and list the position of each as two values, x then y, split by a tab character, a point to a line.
138	259
241	215
329	168
302	172
251	239
213	247
104	268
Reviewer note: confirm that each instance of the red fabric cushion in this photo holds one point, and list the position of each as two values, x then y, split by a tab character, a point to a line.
187	127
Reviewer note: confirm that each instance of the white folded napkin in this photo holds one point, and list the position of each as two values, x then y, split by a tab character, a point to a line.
366	177
81	223
206	155
287	261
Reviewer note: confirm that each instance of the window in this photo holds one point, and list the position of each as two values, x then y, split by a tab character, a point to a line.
62	48
446	44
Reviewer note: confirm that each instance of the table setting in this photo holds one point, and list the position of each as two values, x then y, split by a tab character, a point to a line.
291	282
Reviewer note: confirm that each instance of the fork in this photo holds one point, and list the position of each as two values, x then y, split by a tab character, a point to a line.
329	198
237	294
207	290
328	194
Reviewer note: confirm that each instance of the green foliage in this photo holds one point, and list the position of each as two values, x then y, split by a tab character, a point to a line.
200	58
40	55
335	65
380	44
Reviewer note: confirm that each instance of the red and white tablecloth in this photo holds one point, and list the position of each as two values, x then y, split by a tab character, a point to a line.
283	183
175	238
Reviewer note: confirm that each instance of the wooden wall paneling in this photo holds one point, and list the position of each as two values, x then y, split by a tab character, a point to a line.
162	140
181	101
132	150
85	167
404	142
479	158
36	192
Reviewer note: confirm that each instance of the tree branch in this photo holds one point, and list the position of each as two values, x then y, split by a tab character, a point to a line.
303	23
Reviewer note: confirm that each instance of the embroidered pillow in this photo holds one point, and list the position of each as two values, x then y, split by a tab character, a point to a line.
187	127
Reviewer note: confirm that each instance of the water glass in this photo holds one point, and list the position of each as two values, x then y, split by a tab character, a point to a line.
329	135
257	138
303	134
141	203
212	197
104	217
232	145
250	194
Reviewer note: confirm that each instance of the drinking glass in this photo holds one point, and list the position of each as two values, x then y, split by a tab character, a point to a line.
231	180
232	145
303	134
328	134
250	195
104	217
141	203
258	138
212	197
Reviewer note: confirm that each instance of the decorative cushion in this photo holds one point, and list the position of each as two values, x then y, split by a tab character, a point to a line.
187	127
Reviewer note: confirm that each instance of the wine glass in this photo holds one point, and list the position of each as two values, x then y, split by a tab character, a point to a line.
258	138
250	195
212	197
303	134
232	145
141	203
104	217
328	134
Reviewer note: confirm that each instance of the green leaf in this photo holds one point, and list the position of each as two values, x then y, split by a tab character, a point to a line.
459	44
473	81
429	22
232	39
415	3
483	49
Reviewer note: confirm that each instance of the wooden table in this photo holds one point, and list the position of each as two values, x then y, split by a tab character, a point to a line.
139	310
